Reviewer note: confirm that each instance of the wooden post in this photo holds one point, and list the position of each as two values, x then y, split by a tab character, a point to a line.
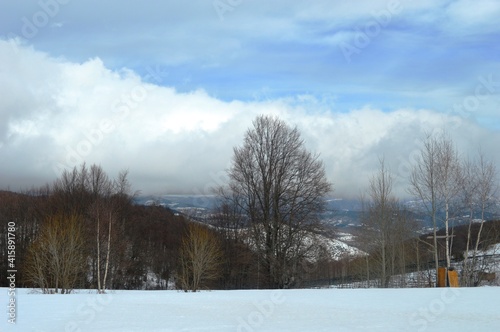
453	278
441	277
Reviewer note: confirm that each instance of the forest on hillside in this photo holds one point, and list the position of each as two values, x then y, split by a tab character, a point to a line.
265	231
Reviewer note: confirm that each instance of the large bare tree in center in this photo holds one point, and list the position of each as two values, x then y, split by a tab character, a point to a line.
282	186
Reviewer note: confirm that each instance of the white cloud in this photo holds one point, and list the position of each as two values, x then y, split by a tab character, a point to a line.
58	113
470	16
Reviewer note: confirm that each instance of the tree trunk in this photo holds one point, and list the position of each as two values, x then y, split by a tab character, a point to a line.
436	257
466	272
98	256
447	243
107	256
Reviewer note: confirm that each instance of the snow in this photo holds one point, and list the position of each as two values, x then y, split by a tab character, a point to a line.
492	250
336	249
345	237
432	309
339	249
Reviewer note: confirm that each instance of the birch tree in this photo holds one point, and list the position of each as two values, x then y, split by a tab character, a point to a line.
449	182
434	180
478	190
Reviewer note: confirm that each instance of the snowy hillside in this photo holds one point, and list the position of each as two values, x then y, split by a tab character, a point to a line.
340	213
338	248
444	309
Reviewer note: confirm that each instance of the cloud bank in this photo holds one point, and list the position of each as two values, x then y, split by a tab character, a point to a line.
56	113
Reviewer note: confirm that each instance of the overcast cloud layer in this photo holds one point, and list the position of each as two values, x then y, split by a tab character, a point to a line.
167	89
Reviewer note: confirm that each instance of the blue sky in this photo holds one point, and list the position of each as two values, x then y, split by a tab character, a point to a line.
360	79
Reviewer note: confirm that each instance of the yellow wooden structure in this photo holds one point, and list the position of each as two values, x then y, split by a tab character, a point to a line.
452	277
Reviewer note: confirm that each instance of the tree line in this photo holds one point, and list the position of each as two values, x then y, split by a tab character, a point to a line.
446	185
84	230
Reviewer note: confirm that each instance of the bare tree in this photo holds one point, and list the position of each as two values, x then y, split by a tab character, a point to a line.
423	185
100	188
104	214
109	196
386	228
469	195
200	257
486	189
435	180
90	193
478	189
282	186
379	220
449	183
56	258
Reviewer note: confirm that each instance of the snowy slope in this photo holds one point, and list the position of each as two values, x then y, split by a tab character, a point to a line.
337	248
472	309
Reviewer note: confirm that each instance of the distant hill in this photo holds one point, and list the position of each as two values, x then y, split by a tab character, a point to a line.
340	213
179	203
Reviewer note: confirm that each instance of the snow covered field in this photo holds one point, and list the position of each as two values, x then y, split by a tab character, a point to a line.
459	309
